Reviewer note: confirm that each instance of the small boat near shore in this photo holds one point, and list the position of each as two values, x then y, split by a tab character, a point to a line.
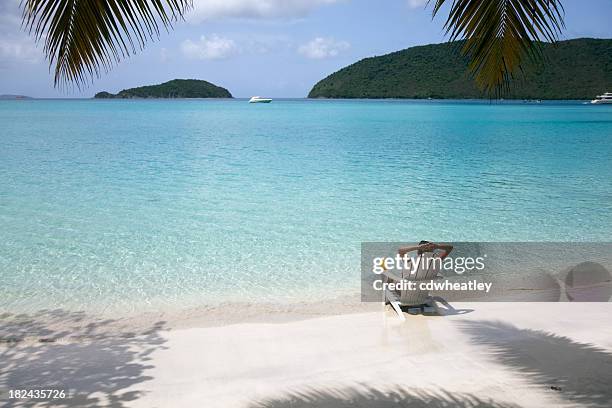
259	99
603	99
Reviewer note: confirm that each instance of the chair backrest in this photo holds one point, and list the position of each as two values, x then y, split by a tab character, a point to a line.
426	271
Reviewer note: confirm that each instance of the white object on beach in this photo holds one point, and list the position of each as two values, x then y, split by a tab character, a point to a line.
417	297
259	99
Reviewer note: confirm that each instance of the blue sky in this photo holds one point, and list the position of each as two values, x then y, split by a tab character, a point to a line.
277	48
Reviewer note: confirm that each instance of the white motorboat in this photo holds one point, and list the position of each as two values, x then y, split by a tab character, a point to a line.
603	99
259	99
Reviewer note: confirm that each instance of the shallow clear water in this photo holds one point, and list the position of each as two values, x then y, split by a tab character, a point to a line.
137	205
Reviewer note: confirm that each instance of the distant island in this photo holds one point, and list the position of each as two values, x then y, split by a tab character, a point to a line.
14	97
177	88
573	69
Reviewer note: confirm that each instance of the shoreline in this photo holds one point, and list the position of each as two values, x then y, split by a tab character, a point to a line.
65	326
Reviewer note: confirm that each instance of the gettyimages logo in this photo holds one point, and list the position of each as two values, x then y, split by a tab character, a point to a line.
412	265
487	271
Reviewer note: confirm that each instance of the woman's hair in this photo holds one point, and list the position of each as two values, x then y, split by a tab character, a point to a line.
422	243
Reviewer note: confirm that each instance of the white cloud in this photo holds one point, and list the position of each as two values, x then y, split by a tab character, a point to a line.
16	49
320	48
16	46
213	47
219	47
253	9
164	55
417	3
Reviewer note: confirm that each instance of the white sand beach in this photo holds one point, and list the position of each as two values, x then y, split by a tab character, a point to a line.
482	354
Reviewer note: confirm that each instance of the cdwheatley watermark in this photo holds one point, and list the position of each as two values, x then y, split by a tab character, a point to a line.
431	285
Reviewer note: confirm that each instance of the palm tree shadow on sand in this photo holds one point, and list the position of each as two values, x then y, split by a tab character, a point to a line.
579	372
93	360
367	397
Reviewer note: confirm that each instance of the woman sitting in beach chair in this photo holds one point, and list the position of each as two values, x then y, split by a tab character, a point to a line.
424	267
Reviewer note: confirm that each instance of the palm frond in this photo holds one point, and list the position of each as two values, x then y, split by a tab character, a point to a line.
83	38
500	34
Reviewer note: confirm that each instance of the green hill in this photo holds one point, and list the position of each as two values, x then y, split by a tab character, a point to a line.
177	88
573	69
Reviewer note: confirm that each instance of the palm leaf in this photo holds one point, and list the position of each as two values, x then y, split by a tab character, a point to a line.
500	34
83	38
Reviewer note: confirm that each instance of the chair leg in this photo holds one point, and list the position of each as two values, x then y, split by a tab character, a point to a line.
398	310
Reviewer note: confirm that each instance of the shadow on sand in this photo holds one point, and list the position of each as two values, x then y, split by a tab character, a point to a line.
580	373
446	309
94	362
367	397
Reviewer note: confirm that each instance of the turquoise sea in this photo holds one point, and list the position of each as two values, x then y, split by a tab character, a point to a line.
128	205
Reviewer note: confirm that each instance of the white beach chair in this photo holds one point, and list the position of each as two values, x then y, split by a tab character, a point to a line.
412	299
